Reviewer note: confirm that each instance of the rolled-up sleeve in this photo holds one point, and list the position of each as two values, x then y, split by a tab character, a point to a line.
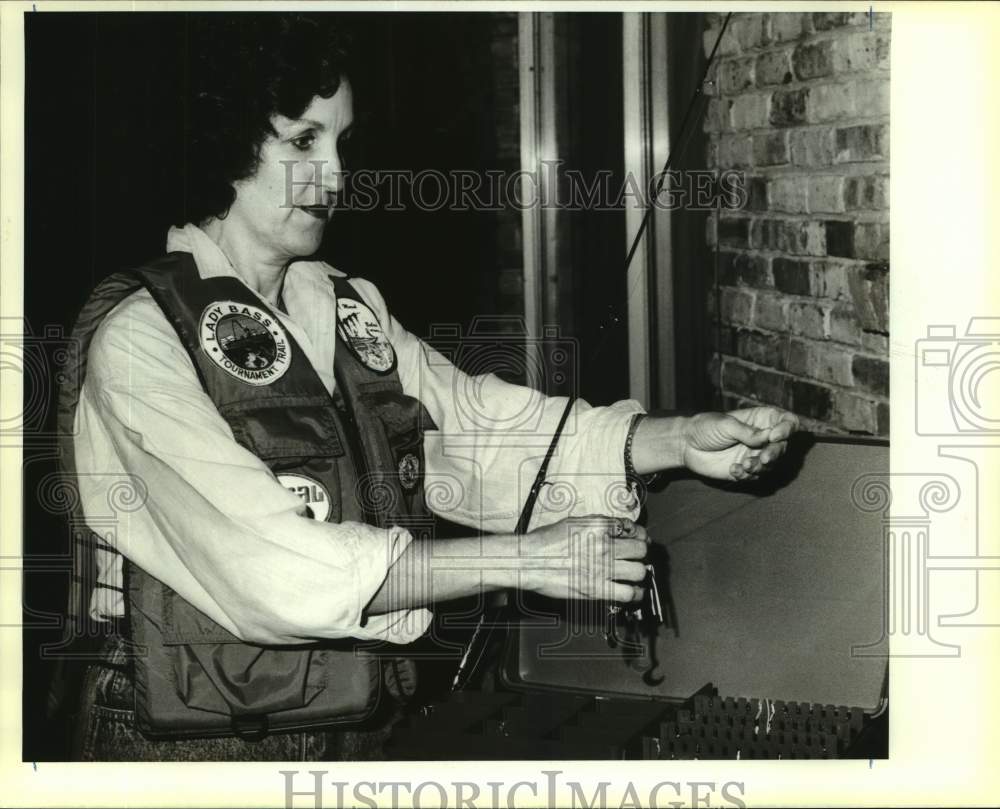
492	436
216	525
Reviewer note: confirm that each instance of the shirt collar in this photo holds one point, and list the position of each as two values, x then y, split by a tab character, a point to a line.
212	262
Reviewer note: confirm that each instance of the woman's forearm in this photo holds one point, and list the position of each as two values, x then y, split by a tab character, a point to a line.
596	558
658	444
442	569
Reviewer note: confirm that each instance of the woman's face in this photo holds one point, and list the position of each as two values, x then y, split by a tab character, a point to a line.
285	206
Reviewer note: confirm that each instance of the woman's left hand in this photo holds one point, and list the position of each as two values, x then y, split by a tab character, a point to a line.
738	445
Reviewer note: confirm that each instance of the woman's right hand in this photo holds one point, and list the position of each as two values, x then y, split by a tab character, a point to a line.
592	558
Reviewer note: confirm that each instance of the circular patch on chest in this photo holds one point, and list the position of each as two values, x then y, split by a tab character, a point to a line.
246	342
313	493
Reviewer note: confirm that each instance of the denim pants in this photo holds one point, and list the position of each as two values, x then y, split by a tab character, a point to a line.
105	729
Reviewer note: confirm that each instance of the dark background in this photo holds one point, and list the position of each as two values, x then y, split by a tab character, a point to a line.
103	126
104	167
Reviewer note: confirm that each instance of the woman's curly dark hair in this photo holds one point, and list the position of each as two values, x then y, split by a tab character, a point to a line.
244	68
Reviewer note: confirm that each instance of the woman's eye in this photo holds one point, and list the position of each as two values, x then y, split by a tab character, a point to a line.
303	142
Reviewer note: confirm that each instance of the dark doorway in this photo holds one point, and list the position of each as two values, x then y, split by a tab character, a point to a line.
593	289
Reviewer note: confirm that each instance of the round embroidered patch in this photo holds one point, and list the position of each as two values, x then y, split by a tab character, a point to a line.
313	493
409	470
360	330
245	341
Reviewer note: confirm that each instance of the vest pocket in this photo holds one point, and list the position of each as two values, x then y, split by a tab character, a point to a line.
395	424
285	427
214	671
238	679
402	420
193	678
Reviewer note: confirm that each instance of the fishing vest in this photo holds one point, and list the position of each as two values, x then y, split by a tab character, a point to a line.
359	459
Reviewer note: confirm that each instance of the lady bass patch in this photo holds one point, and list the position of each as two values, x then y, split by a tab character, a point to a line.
311	492
360	330
245	341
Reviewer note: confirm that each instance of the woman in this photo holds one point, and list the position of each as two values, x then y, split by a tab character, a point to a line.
283	429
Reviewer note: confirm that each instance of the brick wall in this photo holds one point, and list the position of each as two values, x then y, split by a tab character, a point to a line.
801	105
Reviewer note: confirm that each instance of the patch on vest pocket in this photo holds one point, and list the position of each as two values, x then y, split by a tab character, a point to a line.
409	470
359	328
245	341
313	493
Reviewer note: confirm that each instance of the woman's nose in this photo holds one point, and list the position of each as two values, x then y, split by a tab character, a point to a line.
332	173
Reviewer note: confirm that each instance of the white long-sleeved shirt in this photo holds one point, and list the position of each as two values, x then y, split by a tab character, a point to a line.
217	527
